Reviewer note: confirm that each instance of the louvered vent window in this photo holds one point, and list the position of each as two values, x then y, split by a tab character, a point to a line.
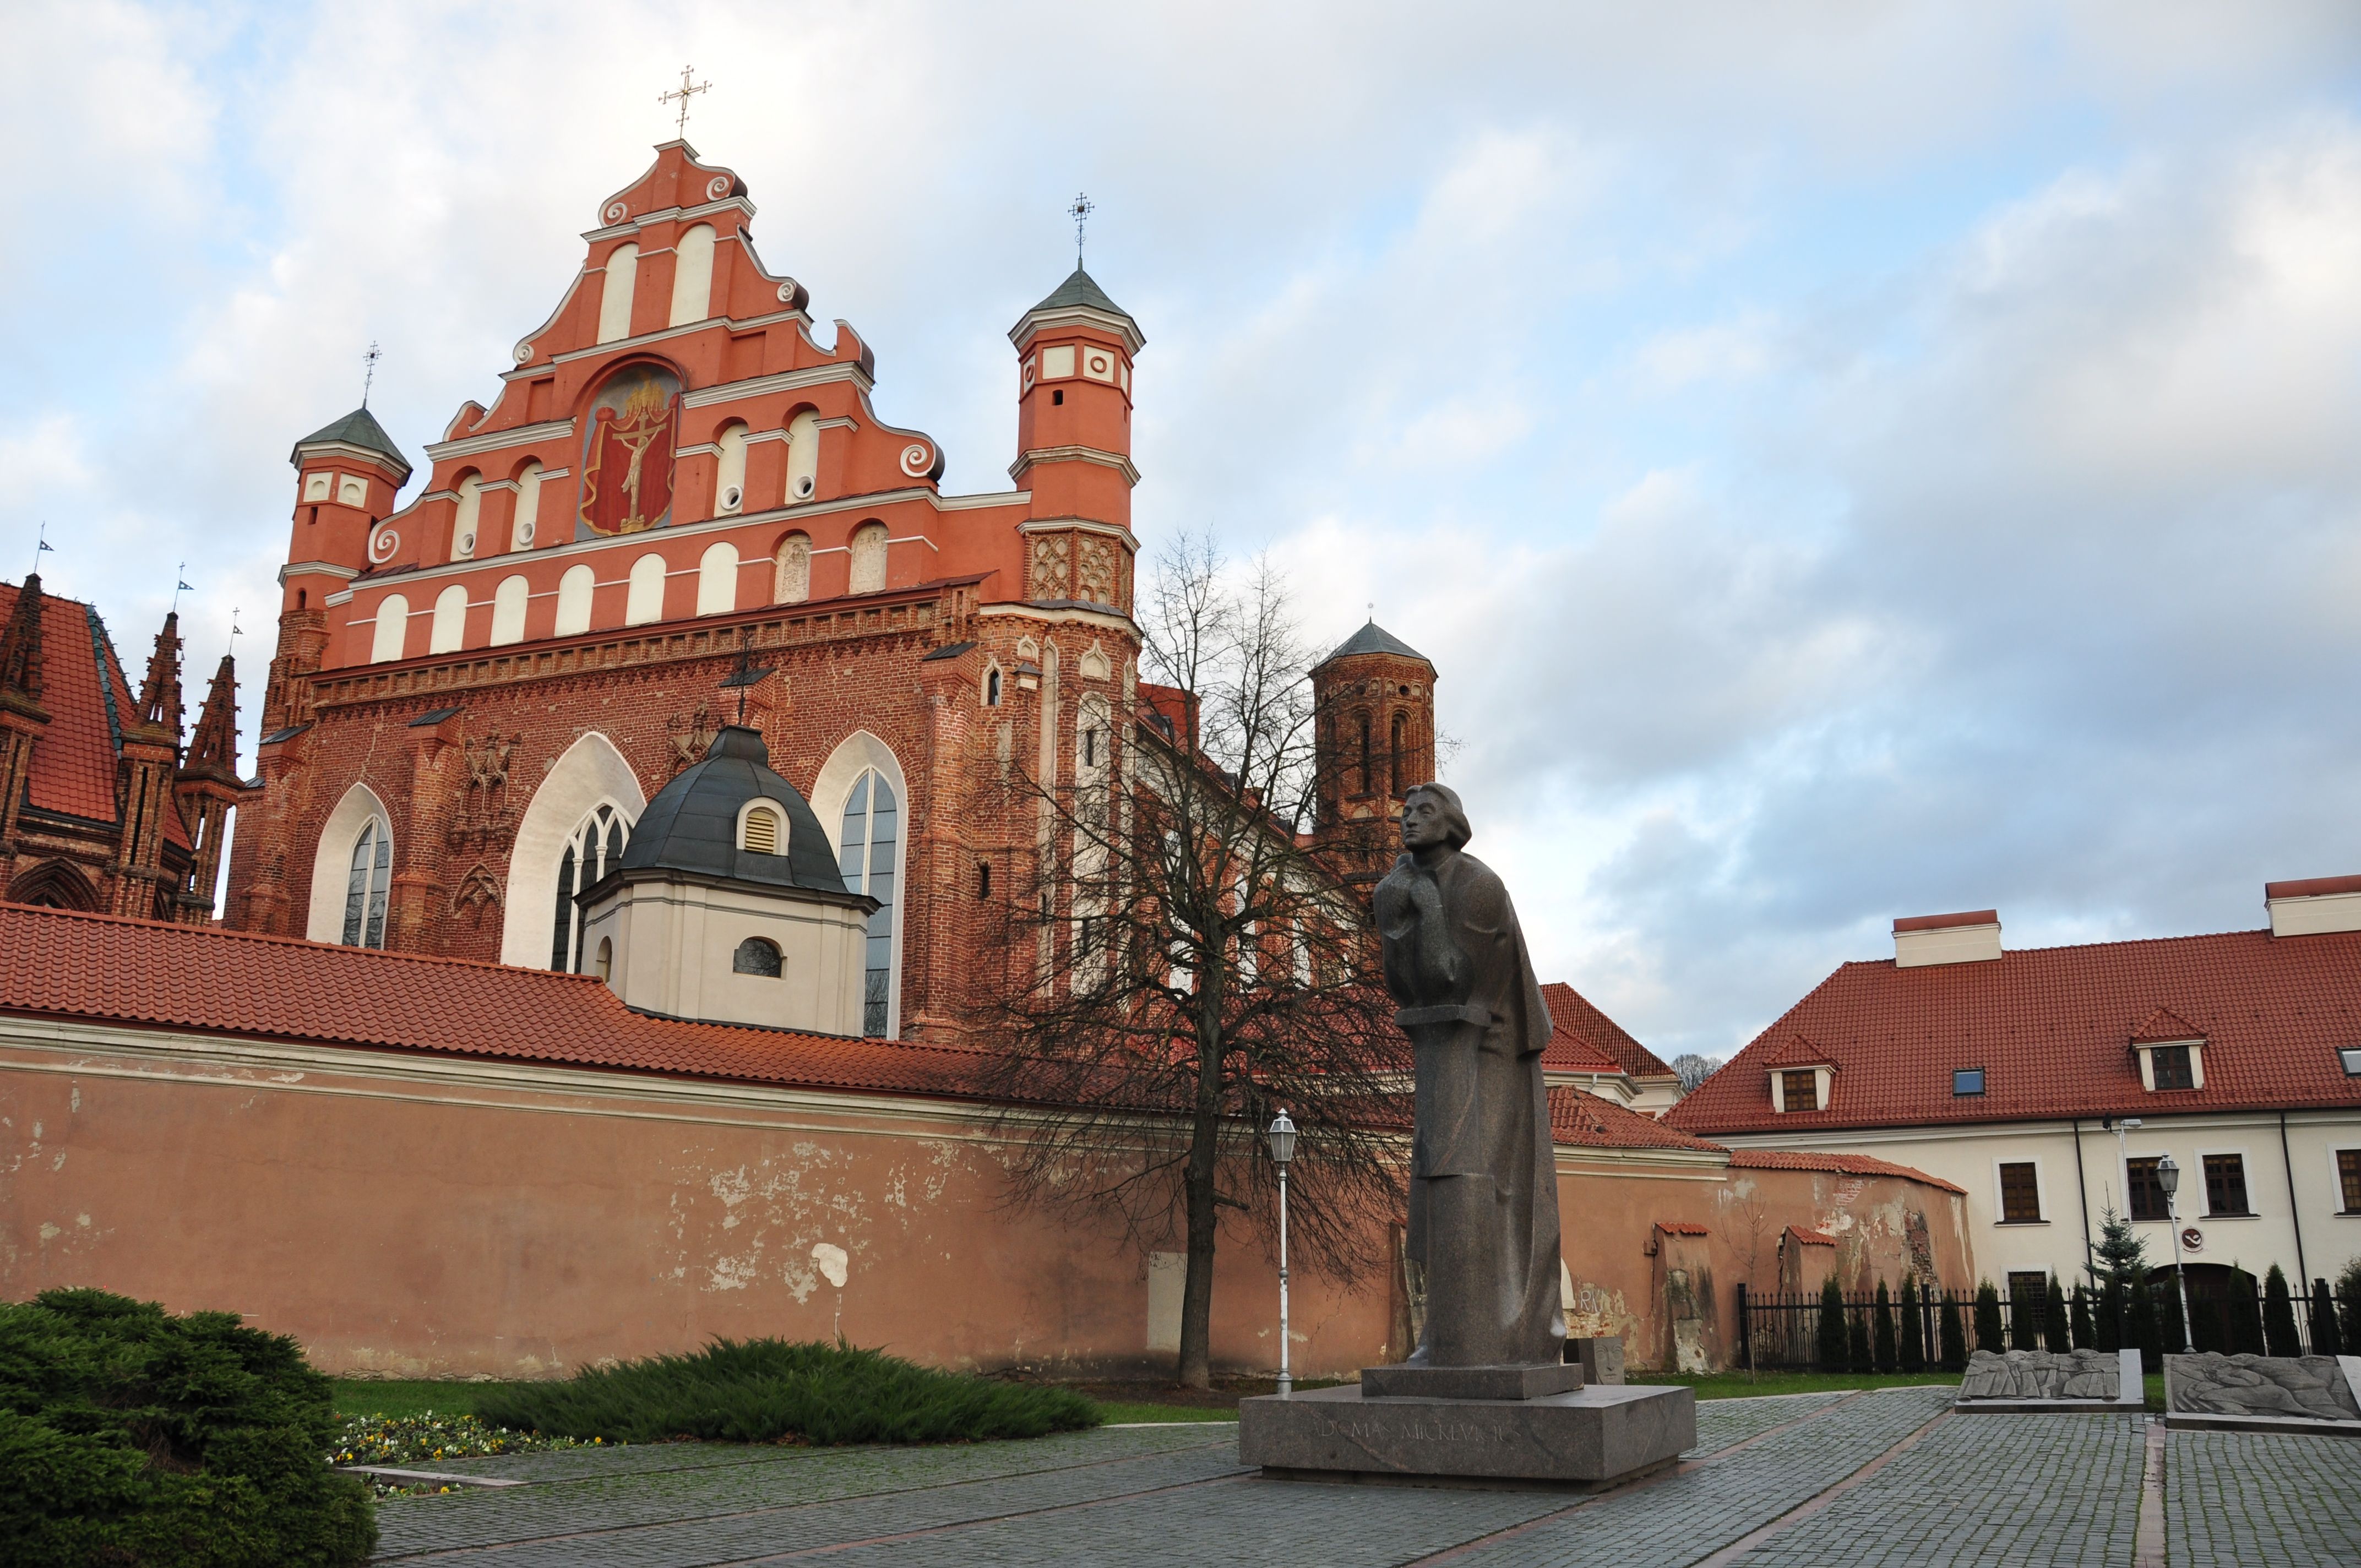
763	831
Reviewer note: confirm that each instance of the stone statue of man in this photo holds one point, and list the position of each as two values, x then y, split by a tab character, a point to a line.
1483	1188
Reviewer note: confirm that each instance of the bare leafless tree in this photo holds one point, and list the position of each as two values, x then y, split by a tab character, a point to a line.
1182	962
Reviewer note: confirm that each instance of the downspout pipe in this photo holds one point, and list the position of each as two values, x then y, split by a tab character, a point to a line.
2295	1213
2082	1188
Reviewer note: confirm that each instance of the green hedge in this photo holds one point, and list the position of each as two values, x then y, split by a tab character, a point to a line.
133	1439
766	1390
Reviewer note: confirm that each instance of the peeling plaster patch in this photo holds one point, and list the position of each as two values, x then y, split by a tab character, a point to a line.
832	1262
59	1162
83	1220
73	1099
49	1231
732	1274
801	1282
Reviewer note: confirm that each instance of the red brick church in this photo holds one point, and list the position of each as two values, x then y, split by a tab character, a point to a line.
682	505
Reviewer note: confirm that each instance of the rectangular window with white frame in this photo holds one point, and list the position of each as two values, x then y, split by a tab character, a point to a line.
2019	1187
2224	1174
2348	1180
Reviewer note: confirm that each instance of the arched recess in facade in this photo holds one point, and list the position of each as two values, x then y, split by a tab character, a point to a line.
55	885
331	862
590	775
843	807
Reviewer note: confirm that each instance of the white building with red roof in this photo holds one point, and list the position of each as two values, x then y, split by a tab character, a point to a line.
2051	1082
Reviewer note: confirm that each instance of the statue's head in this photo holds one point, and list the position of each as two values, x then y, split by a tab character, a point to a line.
1431	815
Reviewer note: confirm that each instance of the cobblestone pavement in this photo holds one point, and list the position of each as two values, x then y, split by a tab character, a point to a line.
2225	1492
1859	1480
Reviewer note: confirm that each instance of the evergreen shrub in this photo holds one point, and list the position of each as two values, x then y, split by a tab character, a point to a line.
1955	1335
1888	1352
2024	1322
2348	1303
131	1436
1988	1324
2246	1313
2056	1332
2156	1323
2327	1337
1858	1356
766	1390
1834	1355
1914	1326
2278	1316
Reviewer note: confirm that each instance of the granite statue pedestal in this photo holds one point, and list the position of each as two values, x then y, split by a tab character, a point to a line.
1411	1426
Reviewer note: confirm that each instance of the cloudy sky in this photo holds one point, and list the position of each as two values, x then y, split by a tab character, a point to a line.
1845	460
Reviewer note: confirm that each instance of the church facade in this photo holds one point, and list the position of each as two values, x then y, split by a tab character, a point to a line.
682	511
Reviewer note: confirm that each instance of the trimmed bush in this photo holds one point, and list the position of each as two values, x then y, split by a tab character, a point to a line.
129	1436
1889	1354
2107	1318
1988	1325
2326	1340
766	1390
1858	1355
1835	1355
2156	1323
2246	1313
2057	1332
1955	1335
2278	1316
2348	1301
1914	1327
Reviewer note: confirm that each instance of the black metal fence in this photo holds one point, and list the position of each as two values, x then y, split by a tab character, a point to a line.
1779	1331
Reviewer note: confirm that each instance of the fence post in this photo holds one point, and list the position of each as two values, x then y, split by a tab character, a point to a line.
1745	1336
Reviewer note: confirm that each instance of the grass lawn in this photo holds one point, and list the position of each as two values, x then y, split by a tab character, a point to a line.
397	1397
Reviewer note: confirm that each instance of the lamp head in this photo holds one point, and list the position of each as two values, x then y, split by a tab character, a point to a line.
2167	1175
2129	1124
1282	1140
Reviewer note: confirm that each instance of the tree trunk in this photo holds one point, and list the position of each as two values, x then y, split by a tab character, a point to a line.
1196	1370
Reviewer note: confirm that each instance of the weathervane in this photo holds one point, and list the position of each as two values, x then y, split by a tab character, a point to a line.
683	93
369	369
41	546
1080	211
180	587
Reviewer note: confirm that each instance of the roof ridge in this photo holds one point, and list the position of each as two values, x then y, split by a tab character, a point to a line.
226	933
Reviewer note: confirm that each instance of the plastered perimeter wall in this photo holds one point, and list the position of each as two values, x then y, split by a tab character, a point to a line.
416	1217
1656	1244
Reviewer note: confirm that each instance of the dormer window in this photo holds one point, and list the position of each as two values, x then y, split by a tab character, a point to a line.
762	832
2170	1067
1800	1088
2171	1052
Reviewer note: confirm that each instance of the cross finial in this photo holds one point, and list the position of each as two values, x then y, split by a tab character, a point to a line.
236	632
1081	213
369	369
683	93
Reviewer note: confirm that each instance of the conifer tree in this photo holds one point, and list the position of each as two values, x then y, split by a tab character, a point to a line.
1955	1335
1834	1354
2083	1339
2348	1303
2024	1322
2156	1323
2245	1314
2126	1313
2326	1337
1888	1352
1857	1354
1989	1335
1914	1327
2279	1336
2056	1332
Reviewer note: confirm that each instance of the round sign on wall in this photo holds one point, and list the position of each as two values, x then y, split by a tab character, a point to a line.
2193	1239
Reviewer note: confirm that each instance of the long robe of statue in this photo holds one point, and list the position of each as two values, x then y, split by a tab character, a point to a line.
1483	1189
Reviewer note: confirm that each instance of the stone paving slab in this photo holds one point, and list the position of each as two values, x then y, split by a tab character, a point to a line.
2232	1498
1868	1480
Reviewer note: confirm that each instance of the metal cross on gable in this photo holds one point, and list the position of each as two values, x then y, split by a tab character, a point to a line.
683	93
368	370
1081	213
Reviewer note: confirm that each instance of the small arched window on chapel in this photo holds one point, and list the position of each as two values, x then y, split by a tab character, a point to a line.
992	686
364	888
757	957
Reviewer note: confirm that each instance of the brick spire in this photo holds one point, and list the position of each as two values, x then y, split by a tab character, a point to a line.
213	747
159	694
20	646
204	788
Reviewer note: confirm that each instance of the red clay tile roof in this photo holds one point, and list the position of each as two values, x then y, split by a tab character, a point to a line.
1946	922
74	762
2164	1023
2050	1026
1569	1052
57	963
1796	1052
1838	1164
1682	1228
1590	1121
1811	1238
1571	1011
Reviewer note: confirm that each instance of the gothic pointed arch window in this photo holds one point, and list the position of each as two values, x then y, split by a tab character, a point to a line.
365	885
1369	774
1398	754
869	847
594	849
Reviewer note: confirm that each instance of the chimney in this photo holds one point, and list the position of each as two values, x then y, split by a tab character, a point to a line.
2314	904
1967	938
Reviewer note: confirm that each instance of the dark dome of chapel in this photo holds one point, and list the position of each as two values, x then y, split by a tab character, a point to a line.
692	823
1375	639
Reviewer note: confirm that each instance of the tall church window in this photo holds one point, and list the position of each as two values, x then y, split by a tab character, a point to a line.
574	600
364	888
692	275
596	849
716	579
644	601
1368	775
792	580
1398	751
868	559
615	293
867	845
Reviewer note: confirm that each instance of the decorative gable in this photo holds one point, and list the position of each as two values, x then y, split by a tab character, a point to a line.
2170	1050
1802	1077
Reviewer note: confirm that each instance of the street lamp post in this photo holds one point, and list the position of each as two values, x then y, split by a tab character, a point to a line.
1282	1150
2123	1168
2168	1176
